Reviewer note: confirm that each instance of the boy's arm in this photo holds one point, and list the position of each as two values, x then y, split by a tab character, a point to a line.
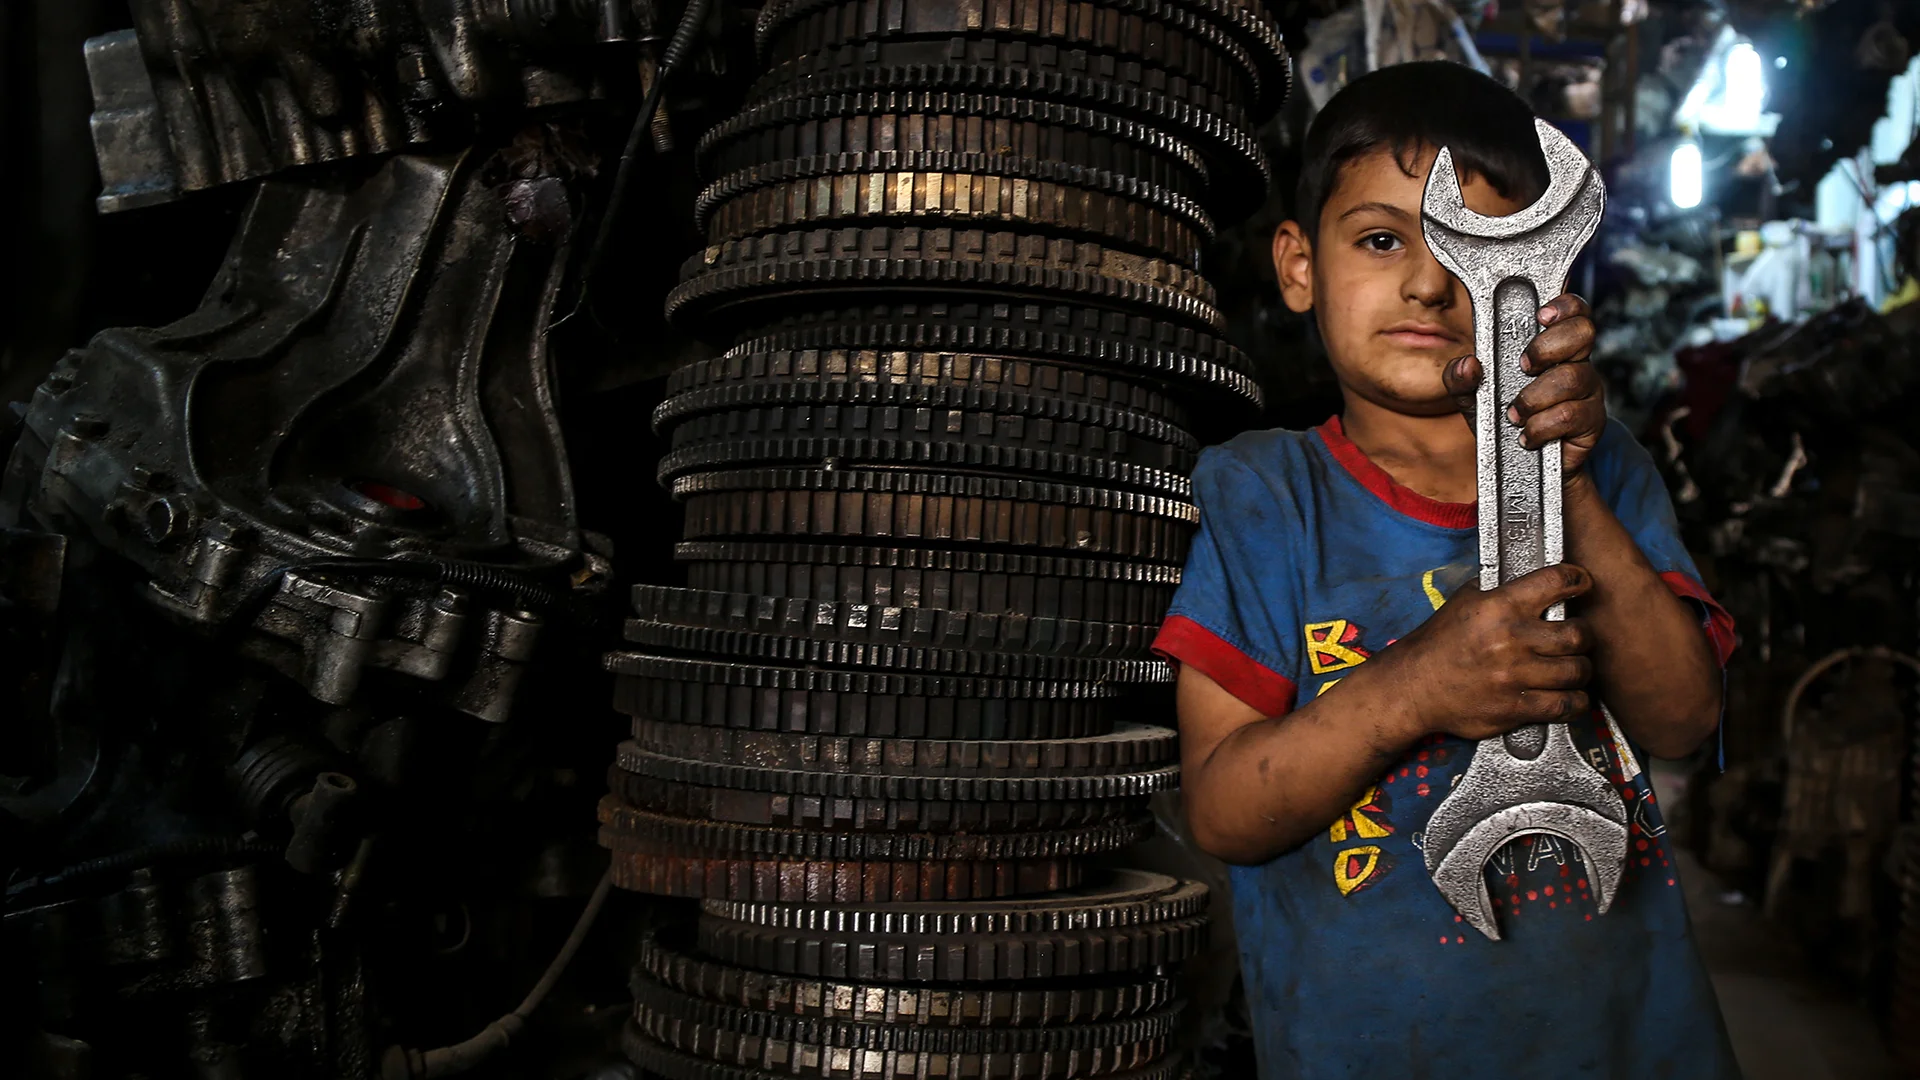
1484	664
1652	665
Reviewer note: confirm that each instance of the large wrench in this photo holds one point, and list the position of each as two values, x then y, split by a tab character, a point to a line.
1532	780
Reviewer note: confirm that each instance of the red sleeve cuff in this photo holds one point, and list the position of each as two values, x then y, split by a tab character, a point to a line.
1719	624
1183	641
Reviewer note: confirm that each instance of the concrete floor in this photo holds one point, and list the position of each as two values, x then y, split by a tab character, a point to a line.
1786	1023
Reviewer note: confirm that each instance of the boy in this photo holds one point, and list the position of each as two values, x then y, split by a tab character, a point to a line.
1337	658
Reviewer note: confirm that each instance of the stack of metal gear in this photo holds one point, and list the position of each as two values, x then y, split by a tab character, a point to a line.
936	503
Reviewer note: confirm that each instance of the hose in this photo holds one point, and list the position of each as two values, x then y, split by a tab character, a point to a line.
400	1063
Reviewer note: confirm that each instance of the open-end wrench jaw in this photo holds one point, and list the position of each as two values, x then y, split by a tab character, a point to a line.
1532	780
1503	796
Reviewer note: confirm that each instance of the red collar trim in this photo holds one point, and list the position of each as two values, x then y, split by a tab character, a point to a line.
1447	515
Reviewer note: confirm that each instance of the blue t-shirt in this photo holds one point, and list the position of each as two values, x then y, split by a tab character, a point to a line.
1309	560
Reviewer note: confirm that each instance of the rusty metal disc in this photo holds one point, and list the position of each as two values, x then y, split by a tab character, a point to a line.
906	378
858	654
922	628
827	881
1127	748
1059	788
1205	367
778	271
813	700
666	957
1146	30
861	129
1128	920
1238	173
803	1046
941	385
1154	455
1111	38
911	506
865	814
1098	590
629	828
666	1063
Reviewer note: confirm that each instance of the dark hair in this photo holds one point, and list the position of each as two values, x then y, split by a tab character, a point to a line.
1408	108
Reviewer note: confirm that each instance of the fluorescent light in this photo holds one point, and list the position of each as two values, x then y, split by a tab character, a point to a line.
1779	62
1685	182
1746	86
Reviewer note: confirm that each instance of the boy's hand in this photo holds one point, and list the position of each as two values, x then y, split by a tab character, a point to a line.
1487	662
1566	400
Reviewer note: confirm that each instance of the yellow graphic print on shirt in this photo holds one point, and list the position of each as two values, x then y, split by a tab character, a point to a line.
1333	646
1357	866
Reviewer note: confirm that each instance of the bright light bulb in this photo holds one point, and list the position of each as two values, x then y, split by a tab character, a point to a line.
1746	87
1685	181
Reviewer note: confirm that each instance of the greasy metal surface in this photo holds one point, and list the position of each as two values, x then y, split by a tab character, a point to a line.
717	875
202	93
741	278
629	828
1128	747
1125	449
940	816
282	423
665	958
654	633
987	339
659	1009
1246	22
1116	785
1124	220
920	507
663	1061
956	958
1237	169
1170	42
759	698
912	380
978	127
888	624
818	1048
1100	590
1532	780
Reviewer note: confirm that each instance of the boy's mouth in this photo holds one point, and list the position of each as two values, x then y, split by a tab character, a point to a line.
1413	334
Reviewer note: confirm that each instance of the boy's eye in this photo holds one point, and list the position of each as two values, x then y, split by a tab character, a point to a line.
1381	242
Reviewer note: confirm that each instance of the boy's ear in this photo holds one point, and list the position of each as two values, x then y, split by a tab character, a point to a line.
1293	265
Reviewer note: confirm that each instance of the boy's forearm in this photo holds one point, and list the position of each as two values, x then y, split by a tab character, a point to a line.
1653	667
1270	785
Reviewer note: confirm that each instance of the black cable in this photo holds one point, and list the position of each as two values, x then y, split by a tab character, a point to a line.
677	46
190	848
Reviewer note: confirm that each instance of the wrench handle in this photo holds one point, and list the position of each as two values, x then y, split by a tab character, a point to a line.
1525	532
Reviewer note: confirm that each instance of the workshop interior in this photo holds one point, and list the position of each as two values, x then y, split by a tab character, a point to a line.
604	539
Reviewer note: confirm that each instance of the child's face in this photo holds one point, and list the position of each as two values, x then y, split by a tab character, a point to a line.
1391	316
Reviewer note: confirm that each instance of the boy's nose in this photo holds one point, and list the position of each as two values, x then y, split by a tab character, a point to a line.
1428	283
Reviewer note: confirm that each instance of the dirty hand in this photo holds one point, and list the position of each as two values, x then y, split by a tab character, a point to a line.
1566	399
1487	662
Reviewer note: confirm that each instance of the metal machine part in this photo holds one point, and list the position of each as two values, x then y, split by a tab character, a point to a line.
273	577
268	462
1532	780
202	93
